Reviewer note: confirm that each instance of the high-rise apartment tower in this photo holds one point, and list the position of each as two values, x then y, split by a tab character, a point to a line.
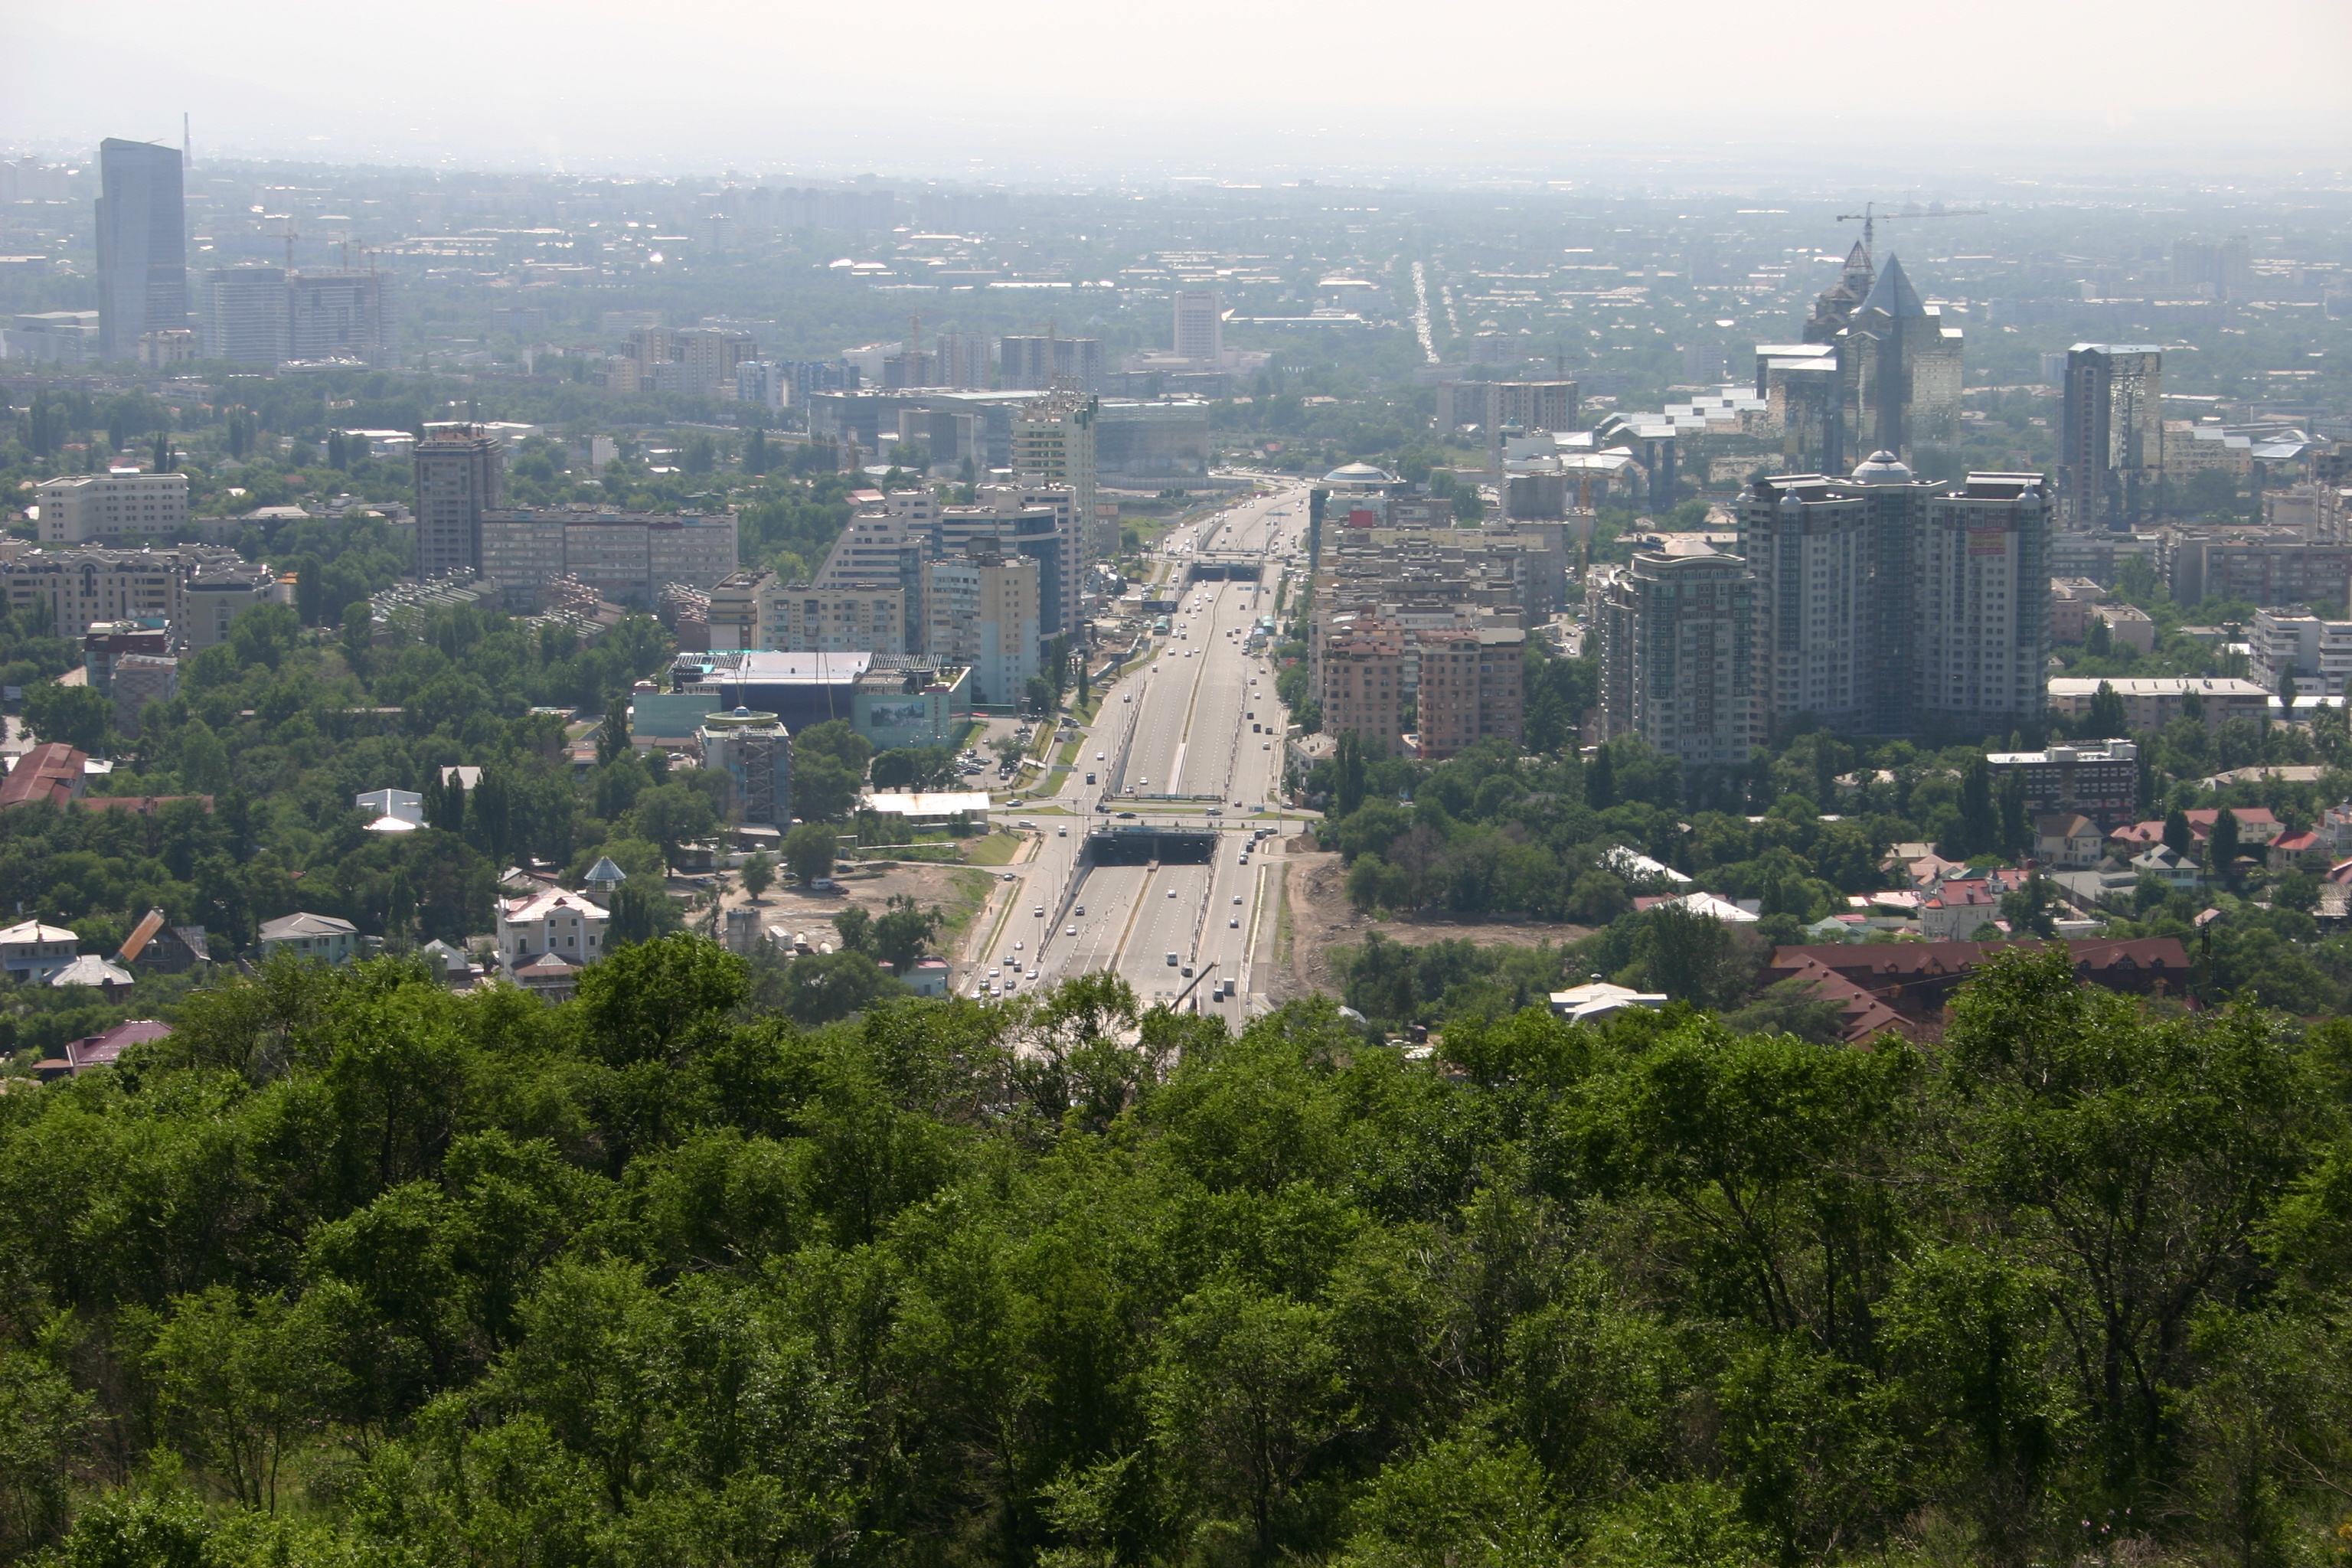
142	244
2111	440
457	472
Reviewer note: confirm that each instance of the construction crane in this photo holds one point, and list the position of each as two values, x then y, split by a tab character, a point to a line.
1869	220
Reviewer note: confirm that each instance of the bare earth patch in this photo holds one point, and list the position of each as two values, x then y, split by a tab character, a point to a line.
1321	919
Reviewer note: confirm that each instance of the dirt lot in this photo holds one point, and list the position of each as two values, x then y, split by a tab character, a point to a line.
1315	894
813	912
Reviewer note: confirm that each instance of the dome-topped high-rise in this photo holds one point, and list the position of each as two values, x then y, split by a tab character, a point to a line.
1883	467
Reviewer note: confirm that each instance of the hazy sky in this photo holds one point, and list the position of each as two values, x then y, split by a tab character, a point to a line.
1269	88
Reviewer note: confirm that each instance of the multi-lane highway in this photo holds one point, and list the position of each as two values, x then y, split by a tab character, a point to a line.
1199	720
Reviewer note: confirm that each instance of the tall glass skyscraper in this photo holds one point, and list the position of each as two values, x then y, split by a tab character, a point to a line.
143	246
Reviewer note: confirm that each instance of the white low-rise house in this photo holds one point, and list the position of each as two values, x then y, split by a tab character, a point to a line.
35	952
568	925
322	937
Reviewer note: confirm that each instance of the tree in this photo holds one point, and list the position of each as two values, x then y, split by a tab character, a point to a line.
674	815
823	790
826	987
2179	836
237	1382
759	875
358	636
2016	825
639	1002
834	739
1249	1388
1348	774
808	851
914	767
854	926
2106	717
2287	691
2127	1162
637	916
75	715
1037	698
1601	779
2222	847
900	935
612	734
2029	907
1980	817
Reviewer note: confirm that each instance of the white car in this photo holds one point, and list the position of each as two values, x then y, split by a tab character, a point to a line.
1237	899
1235	923
1069	931
1172	892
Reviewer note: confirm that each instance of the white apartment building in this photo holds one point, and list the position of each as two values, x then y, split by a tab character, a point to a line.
1199	326
86	509
2318	651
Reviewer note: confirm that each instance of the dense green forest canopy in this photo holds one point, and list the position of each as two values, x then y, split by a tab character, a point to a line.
353	1269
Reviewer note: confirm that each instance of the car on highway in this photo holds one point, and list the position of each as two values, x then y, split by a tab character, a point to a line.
1127	815
1062	832
1237	898
1069	931
1040	912
1172	960
1172	892
1079	909
1235	923
1102	756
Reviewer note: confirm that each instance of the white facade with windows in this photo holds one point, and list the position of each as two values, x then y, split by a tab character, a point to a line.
568	925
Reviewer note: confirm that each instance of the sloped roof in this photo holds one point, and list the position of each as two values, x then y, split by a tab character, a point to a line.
51	770
35	931
539	906
90	970
1893	293
303	923
101	1049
